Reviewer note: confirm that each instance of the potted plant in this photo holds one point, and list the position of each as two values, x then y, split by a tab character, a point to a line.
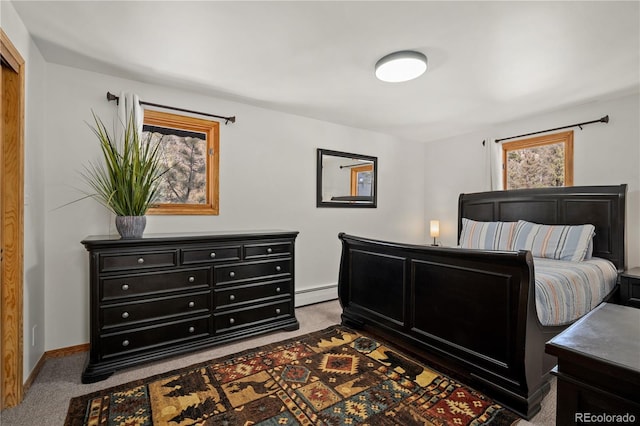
126	181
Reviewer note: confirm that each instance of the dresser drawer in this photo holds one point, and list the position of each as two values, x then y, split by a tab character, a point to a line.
152	283
156	336
237	295
252	315
134	313
210	254
265	250
250	271
138	260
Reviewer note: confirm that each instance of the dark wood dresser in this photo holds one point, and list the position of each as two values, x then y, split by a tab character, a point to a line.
599	367
168	294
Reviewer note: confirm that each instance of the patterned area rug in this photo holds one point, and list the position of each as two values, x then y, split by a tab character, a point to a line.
336	376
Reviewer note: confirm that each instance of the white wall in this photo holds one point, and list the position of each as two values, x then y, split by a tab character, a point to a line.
267	181
33	299
604	154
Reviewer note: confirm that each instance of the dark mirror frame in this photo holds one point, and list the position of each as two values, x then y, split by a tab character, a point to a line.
347	203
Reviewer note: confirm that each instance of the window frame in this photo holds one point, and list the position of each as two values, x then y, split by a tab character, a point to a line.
566	138
212	130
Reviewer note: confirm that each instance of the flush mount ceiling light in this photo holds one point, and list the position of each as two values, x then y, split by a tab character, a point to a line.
401	66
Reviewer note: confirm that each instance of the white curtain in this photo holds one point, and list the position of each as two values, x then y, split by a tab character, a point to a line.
493	163
129	103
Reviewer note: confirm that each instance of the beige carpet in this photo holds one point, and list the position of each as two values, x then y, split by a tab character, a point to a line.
47	400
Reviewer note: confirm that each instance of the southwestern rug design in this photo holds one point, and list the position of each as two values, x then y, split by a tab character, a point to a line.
336	376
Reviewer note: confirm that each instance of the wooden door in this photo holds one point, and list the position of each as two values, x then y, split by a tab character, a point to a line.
11	222
1	260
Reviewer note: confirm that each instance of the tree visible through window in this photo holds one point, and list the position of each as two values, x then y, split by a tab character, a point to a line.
189	148
184	157
539	162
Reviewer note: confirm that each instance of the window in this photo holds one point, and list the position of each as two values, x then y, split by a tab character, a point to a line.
189	149
361	180
538	162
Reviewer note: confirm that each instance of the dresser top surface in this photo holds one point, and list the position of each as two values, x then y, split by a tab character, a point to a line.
610	333
187	237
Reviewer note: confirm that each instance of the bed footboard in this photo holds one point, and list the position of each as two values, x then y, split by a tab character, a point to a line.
471	312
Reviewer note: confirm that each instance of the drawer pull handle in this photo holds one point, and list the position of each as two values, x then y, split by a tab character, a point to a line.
232	274
269	250
192	329
192	304
125	315
192	279
277	289
277	311
232	321
278	268
141	260
125	343
125	287
212	255
232	297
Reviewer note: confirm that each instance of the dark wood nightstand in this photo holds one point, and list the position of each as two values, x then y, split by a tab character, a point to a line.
630	287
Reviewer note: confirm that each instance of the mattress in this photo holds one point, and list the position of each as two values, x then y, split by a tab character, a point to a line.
565	290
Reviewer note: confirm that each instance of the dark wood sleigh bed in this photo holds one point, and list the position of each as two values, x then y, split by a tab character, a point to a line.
473	312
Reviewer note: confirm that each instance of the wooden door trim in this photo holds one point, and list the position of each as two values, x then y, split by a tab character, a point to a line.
12	269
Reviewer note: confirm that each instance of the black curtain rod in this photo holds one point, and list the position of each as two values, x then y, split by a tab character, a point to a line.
353	165
604	119
112	97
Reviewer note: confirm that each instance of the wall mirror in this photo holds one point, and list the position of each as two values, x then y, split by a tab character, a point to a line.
346	180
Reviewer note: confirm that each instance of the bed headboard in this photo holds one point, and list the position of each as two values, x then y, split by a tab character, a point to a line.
602	206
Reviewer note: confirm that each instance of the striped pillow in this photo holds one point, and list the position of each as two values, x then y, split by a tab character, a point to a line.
487	235
560	242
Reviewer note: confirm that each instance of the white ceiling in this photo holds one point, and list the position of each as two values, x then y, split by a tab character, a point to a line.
489	62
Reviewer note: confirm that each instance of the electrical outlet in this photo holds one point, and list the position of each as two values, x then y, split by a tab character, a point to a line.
33	335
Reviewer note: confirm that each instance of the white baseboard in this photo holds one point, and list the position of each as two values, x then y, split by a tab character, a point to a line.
309	296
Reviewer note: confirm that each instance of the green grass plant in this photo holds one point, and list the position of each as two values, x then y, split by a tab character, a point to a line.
127	181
